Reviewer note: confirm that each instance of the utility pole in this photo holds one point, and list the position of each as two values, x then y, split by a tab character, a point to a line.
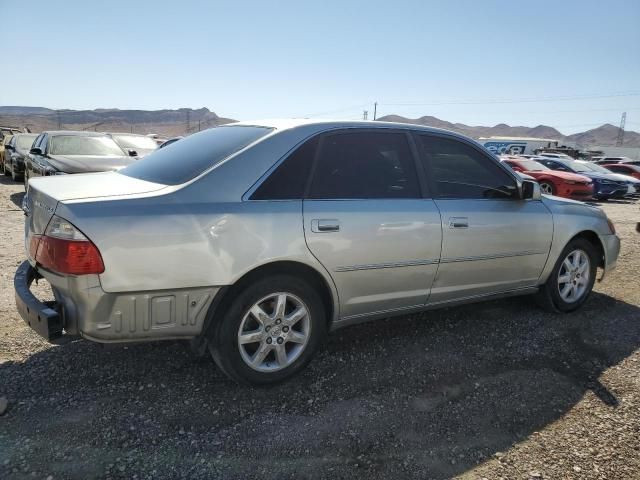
620	138
198	125
375	110
59	121
364	114
188	120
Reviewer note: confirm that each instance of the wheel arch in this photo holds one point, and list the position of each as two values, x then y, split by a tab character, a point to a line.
593	238
226	294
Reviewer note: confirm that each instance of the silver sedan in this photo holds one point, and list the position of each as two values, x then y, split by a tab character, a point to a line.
253	240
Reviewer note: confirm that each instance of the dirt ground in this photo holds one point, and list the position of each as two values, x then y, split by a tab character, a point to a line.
494	390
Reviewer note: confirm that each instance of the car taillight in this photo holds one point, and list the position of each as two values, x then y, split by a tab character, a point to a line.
64	249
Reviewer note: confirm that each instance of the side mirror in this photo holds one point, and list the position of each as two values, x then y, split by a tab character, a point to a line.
530	190
132	153
36	151
8	147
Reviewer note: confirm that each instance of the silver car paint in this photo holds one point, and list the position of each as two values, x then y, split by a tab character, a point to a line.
163	244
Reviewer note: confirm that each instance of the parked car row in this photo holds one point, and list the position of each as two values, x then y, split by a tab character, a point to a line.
65	152
561	175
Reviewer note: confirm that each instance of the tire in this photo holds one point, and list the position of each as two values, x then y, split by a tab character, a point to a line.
25	179
275	333
14	177
547	188
4	169
550	296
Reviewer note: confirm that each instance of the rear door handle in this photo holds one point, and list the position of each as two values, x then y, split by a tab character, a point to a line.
325	225
458	222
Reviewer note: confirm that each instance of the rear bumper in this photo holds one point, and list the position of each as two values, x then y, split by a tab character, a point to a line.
611	246
83	308
43	317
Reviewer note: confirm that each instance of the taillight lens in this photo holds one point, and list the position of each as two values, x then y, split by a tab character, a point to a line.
64	249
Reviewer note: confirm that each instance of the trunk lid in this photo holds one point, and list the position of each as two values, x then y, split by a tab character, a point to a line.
44	193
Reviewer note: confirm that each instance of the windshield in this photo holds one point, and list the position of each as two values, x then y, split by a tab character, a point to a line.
24	142
595	168
531	166
578	167
188	158
84	145
135	141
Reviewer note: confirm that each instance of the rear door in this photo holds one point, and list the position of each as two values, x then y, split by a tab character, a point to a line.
492	241
367	221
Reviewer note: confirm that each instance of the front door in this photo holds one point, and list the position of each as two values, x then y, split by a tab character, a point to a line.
492	241
366	221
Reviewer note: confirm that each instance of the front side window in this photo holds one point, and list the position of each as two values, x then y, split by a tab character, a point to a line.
365	165
458	170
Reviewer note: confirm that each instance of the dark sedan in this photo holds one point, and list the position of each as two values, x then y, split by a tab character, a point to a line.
64	152
605	186
16	151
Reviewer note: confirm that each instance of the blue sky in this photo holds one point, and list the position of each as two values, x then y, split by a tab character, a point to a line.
577	63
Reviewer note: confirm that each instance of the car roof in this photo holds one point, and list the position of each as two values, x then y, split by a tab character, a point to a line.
291	123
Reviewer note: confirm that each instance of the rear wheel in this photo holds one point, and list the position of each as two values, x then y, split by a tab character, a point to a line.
572	278
270	331
547	188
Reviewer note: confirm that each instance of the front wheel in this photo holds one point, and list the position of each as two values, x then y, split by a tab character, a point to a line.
547	188
572	278
270	331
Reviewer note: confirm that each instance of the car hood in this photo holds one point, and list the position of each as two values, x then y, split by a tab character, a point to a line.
625	178
602	176
89	163
574	177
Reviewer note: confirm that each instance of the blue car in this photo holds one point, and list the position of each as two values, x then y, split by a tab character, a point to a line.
605	185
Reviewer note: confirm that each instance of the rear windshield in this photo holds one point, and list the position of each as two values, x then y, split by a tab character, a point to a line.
83	145
188	158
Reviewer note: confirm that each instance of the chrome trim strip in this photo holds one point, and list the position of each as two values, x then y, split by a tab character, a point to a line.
374	266
414	263
492	257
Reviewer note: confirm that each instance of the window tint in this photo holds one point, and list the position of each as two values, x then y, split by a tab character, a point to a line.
365	165
290	178
191	156
460	171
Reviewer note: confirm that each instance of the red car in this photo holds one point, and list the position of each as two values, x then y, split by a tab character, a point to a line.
624	169
553	182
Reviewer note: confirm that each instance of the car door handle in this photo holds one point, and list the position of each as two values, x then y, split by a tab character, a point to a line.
458	222
323	226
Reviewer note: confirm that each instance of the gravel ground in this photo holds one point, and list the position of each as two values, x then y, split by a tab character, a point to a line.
494	390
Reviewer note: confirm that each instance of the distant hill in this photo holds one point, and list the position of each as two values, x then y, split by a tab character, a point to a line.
164	122
604	135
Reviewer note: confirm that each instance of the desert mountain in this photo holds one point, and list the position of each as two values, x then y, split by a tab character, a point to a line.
166	122
605	135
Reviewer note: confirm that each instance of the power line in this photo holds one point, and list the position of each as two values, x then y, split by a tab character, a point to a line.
515	100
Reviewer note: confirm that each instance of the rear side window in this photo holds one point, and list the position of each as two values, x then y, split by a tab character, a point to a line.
188	158
460	171
365	165
288	181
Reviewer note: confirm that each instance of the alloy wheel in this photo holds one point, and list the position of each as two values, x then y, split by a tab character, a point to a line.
546	188
274	332
573	276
